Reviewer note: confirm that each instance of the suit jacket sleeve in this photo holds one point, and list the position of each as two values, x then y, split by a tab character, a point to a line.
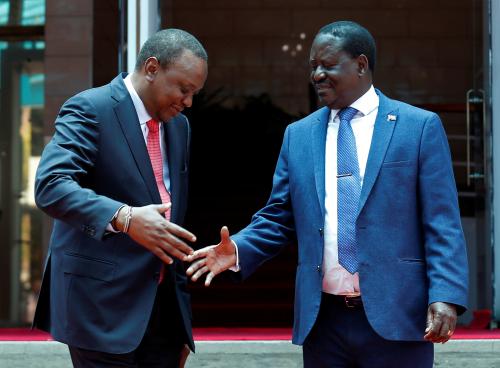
272	227
64	179
444	240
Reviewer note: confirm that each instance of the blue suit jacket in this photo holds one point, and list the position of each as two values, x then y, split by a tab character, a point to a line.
411	247
98	289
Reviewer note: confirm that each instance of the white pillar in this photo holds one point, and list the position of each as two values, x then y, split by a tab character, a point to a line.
143	20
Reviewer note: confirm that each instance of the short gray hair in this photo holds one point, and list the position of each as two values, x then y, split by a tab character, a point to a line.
356	39
167	45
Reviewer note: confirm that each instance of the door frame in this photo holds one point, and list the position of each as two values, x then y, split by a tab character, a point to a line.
494	24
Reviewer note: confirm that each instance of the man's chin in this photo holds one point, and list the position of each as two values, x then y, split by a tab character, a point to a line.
170	113
166	117
331	101
326	100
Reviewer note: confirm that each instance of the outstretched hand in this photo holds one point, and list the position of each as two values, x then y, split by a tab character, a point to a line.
213	259
441	322
163	238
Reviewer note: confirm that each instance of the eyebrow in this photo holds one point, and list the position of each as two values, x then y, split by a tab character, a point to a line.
192	88
189	85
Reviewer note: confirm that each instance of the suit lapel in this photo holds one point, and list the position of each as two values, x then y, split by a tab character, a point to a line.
174	148
127	118
382	133
318	139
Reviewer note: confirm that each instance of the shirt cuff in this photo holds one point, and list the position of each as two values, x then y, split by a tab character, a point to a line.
109	227
236	267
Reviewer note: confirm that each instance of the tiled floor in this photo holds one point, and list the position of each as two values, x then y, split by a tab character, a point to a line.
248	354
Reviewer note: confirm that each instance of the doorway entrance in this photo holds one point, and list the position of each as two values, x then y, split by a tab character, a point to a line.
433	55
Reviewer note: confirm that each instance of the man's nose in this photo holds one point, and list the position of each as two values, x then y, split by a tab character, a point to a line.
187	101
318	74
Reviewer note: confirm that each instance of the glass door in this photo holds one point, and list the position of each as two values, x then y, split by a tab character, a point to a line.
21	143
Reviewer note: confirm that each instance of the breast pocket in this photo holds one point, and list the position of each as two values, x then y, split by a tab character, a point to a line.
391	164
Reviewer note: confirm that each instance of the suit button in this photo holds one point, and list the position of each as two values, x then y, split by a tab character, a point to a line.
320	231
318	268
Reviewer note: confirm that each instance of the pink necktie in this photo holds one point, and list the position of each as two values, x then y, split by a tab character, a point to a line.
153	145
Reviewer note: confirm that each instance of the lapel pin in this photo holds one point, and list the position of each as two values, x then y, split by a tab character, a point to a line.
391	117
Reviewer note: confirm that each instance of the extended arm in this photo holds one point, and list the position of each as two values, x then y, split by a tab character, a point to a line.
445	249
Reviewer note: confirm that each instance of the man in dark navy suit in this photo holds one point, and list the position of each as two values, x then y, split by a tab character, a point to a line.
114	178
365	185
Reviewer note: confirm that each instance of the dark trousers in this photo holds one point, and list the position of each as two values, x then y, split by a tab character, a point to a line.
160	347
342	337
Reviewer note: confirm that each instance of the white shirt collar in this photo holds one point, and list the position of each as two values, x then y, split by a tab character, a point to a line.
142	114
365	104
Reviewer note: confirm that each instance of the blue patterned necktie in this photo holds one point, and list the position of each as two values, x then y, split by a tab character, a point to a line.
348	190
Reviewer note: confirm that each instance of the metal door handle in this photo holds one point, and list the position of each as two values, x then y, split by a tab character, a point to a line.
469	100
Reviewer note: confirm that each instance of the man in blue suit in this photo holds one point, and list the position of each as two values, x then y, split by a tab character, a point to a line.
365	185
114	178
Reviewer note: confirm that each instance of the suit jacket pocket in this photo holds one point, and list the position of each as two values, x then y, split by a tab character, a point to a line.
86	266
396	164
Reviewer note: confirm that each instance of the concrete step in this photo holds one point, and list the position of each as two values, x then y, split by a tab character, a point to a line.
247	354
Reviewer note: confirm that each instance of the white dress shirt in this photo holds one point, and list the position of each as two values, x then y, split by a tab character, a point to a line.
144	117
336	279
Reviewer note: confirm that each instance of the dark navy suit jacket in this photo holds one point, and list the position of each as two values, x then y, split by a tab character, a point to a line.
98	289
410	242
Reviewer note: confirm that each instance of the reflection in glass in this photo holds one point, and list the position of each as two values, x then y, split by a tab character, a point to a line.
4	11
22	80
30	131
33	12
22	12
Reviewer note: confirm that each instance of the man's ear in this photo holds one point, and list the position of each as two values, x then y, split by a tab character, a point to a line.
151	68
363	65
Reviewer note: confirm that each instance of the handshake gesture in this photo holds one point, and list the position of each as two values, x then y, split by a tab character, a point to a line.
213	259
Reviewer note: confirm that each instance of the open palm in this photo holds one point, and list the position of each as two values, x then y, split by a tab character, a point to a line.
213	259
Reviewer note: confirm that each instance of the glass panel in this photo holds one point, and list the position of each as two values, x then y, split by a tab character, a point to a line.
33	12
4	11
34	45
31	134
21	143
22	12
